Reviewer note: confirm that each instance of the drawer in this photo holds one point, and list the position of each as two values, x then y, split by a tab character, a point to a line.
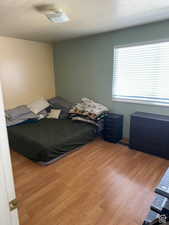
150	135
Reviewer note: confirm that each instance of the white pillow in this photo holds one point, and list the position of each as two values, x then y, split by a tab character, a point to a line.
54	114
38	105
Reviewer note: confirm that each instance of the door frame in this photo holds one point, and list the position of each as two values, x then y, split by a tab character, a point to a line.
6	174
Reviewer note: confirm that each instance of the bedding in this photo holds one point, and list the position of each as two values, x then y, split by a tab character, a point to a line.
54	114
38	105
61	104
21	119
18	115
88	108
49	139
79	118
89	111
17	112
37	110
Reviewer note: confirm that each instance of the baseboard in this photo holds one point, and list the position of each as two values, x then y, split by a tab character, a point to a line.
124	141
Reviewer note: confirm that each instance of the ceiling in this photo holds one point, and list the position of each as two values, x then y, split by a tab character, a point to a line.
20	19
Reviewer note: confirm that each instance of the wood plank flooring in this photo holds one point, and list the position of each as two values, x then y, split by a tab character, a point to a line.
101	184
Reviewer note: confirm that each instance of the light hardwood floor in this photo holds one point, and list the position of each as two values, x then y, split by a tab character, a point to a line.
101	184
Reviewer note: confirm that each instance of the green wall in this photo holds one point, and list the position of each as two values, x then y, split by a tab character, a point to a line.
84	67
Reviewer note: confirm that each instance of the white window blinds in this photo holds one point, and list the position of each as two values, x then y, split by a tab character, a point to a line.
142	72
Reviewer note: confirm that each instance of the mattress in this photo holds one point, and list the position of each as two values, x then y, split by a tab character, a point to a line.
49	139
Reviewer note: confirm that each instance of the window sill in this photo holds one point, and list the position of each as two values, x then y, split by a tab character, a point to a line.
142	102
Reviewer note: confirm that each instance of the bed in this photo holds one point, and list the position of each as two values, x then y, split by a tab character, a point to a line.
47	140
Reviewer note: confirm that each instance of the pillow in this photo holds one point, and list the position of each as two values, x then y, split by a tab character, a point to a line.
54	114
61	103
38	105
42	113
17	112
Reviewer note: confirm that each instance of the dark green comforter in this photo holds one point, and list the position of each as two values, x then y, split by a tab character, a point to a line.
49	138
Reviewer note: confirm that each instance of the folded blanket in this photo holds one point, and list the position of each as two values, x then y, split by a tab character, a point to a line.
14	113
17	120
22	113
88	108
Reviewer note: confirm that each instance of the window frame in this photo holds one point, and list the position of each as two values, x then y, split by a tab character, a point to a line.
145	101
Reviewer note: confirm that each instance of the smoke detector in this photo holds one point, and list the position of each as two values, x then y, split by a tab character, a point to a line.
57	16
53	14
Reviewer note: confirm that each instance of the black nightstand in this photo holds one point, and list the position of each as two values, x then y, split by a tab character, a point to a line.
113	127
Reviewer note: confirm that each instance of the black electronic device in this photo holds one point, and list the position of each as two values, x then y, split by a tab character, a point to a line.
163	187
160	205
159	210
152	218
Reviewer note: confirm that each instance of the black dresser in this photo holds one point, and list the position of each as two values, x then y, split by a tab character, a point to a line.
113	127
150	133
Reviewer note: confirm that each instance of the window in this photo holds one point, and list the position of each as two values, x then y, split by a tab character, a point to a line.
141	73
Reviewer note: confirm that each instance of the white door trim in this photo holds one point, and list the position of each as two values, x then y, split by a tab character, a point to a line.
4	208
6	181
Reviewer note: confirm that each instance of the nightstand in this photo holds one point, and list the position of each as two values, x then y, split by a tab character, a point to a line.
113	127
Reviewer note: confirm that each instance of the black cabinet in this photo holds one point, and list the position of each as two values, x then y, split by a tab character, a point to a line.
150	133
113	127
